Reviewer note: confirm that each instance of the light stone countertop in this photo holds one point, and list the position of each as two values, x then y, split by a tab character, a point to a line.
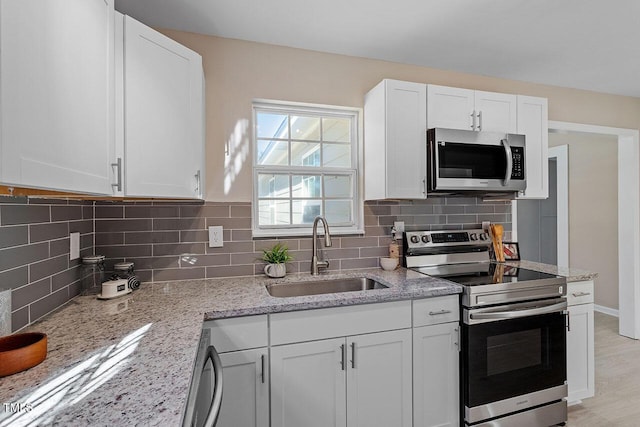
128	361
572	274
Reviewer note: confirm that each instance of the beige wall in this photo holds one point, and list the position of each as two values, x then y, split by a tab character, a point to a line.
593	209
238	71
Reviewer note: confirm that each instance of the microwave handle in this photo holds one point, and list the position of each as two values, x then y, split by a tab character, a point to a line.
507	151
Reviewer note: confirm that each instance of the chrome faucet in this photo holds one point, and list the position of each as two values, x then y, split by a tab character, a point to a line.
315	264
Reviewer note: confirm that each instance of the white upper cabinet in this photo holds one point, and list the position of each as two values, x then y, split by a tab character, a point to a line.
465	109
162	132
56	94
395	122
450	108
533	122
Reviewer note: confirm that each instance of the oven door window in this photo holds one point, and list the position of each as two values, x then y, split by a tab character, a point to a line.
509	358
472	161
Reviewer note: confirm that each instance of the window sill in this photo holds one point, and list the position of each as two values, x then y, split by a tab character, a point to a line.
306	232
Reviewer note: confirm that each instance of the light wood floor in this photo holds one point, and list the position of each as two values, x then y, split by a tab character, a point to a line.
617	365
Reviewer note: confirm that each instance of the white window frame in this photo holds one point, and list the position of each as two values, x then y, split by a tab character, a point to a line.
356	156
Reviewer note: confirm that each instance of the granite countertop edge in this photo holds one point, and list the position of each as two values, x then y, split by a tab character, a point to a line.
572	274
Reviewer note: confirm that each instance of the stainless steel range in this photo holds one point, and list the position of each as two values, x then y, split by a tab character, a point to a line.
514	324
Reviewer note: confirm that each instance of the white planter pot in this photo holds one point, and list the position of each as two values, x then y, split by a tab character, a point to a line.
275	270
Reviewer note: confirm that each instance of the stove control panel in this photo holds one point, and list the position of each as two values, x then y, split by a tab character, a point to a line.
434	239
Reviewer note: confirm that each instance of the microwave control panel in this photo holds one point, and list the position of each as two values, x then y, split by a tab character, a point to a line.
517	154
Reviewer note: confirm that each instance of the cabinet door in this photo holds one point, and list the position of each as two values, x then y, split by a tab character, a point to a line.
496	112
406	150
435	375
56	94
450	107
245	401
533	122
163	125
308	384
379	379
580	349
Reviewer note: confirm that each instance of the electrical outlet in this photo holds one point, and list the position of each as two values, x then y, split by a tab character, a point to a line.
215	236
399	225
74	246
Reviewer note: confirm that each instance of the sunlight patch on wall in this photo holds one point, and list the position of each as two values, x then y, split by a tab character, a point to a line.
237	151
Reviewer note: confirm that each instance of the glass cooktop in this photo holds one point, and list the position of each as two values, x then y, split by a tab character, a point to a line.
483	273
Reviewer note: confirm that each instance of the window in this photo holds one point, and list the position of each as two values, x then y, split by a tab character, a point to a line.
305	164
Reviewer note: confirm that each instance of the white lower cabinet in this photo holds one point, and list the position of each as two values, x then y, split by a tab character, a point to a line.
362	380
580	342
308	384
370	365
245	398
435	375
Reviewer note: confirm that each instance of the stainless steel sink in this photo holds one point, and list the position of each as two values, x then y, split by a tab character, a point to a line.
317	287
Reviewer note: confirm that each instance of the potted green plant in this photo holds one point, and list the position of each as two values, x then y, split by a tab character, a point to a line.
276	257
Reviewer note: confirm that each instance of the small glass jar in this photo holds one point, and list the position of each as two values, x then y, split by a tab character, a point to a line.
92	274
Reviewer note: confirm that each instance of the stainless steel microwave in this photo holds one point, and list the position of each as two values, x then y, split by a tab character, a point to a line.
464	162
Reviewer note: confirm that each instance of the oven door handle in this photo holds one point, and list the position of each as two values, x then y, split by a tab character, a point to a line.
494	315
507	152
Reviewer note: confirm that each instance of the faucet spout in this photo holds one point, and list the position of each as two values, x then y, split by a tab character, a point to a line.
315	263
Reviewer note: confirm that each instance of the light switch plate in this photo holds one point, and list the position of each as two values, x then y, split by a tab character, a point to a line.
74	246
215	236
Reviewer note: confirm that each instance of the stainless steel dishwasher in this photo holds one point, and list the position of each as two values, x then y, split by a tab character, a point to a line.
205	391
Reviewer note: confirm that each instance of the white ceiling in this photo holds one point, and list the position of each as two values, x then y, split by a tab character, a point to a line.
585	44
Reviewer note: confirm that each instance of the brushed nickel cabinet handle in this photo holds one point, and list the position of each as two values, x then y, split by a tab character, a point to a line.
437	313
342	354
580	294
353	355
118	166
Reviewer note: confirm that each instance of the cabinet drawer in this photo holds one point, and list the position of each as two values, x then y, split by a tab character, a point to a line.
308	325
579	292
238	333
432	311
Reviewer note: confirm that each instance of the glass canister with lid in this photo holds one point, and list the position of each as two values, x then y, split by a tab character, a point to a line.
92	274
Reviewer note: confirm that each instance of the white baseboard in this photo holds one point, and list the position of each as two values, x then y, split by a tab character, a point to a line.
606	310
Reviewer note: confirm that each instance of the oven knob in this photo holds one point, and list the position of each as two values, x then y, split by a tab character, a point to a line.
473	236
425	239
484	236
414	239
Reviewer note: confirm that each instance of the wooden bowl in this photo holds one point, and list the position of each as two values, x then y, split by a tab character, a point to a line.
21	351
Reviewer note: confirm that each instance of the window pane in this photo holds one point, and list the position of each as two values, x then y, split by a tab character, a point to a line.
305	211
306	186
338	211
272	185
336	155
273	153
273	212
305	128
271	125
305	153
337	186
336	129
